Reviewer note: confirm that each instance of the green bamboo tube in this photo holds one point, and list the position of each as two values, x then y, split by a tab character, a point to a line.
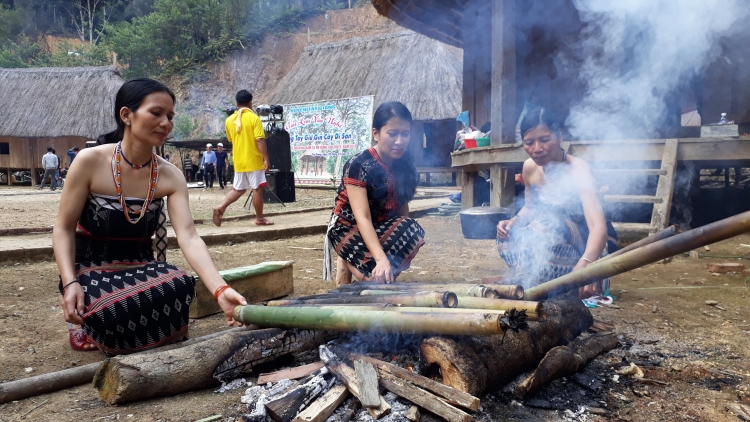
530	307
665	248
473	291
378	321
423	299
410	309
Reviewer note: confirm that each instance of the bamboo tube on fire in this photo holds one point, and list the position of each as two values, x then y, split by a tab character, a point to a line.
423	299
406	309
531	308
378	321
475	290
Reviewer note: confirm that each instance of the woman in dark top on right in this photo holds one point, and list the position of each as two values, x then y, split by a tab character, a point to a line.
370	227
561	228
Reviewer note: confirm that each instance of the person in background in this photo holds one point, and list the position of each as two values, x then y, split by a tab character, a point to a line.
124	298
57	173
187	168
50	162
72	155
208	166
561	227
222	165
370	228
245	132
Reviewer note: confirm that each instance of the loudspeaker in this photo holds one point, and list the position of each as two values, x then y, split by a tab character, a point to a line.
279	147
282	184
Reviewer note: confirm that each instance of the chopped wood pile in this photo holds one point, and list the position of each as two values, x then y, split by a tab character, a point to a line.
467	340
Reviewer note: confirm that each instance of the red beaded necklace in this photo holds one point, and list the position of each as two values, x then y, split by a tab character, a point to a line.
117	175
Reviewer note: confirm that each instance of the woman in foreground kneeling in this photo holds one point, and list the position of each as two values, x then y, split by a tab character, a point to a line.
124	300
561	228
370	228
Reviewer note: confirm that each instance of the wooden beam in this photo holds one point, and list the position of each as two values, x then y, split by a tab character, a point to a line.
503	72
346	374
467	189
502	186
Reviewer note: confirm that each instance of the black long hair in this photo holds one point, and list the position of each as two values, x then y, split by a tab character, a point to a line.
131	95
403	168
541	116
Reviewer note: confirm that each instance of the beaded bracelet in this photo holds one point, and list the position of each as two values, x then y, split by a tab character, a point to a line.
220	290
66	286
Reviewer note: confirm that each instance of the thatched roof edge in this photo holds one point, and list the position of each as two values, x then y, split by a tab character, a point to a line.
58	102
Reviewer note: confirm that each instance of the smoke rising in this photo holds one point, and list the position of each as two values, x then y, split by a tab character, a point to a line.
636	54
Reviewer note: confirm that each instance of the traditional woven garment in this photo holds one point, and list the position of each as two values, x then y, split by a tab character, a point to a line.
400	237
132	301
549	241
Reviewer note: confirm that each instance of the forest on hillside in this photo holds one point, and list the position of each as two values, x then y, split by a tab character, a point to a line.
153	38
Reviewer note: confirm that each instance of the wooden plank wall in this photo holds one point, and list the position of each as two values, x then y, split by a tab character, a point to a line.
26	153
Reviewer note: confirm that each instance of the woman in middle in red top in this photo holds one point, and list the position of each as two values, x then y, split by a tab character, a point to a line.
370	227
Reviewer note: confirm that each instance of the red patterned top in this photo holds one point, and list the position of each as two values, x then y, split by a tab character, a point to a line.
367	170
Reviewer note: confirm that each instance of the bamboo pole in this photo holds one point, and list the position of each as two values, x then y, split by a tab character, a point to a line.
665	248
472	291
378	321
424	299
461	289
531	308
411	310
663	234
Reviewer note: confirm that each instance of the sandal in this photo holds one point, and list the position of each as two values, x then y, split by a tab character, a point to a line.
263	222
79	340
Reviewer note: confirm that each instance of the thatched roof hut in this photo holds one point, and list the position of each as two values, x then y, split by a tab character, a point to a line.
58	102
53	107
422	73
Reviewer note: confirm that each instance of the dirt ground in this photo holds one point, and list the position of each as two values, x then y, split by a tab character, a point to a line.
701	350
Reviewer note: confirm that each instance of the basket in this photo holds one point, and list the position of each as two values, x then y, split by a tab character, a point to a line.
483	142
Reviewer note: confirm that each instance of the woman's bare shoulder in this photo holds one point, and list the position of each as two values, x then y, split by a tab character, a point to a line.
93	155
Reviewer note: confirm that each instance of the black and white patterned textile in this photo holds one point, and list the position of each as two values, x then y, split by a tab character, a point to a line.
400	237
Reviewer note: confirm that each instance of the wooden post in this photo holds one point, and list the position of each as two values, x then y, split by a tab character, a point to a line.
502	186
33	178
665	186
9	176
467	189
737	175
503	72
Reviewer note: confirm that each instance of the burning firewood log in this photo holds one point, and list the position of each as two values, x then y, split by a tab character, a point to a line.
288	405
348	376
566	360
475	364
161	373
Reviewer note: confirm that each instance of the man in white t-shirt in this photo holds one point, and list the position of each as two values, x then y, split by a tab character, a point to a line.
50	163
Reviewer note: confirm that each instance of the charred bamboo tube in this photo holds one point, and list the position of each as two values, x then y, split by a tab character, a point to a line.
665	248
409	310
473	291
502	305
378	321
663	234
424	299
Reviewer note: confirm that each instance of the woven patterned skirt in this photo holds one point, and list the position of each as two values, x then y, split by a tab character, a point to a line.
400	237
134	305
548	247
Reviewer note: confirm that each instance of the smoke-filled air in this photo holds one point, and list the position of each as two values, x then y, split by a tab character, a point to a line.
637	53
